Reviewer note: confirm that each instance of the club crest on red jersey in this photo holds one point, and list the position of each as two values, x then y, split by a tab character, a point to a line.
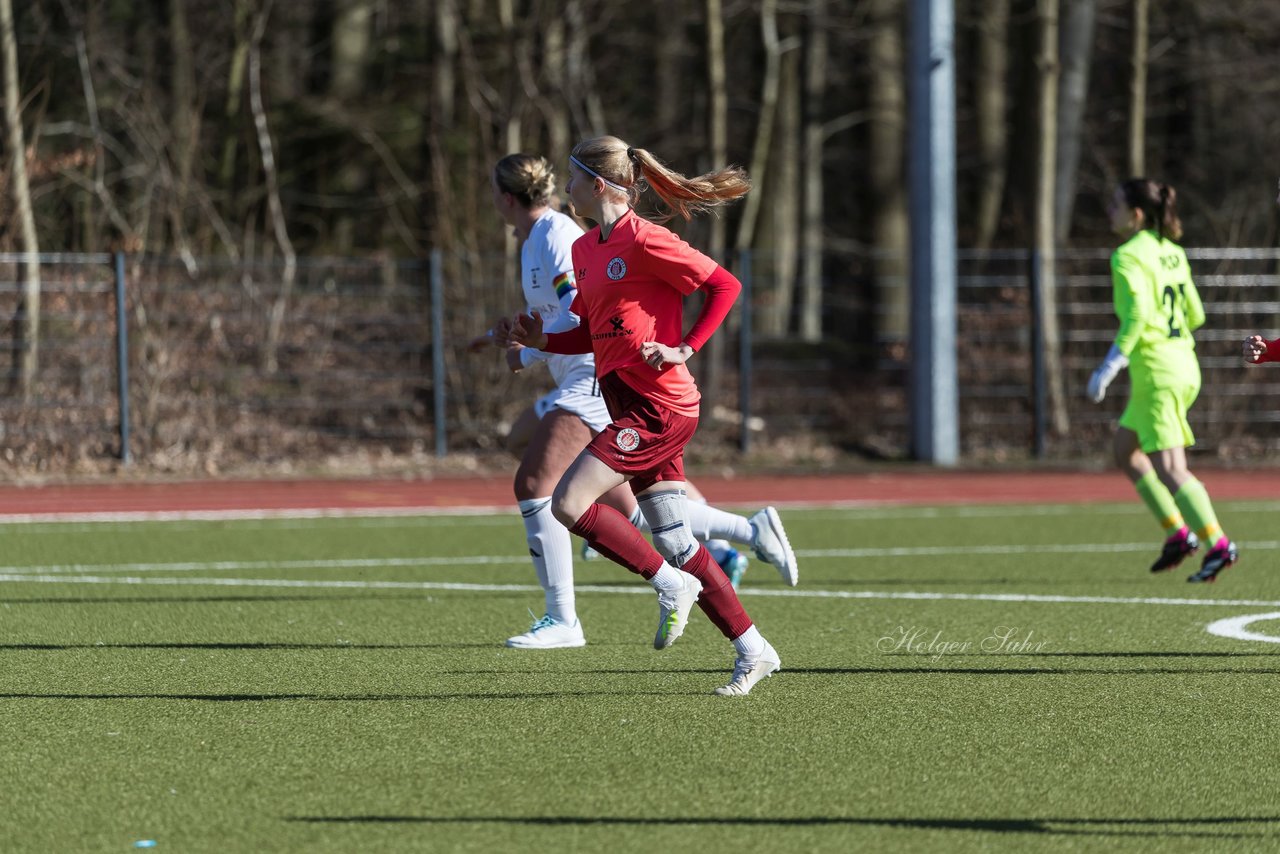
617	269
628	439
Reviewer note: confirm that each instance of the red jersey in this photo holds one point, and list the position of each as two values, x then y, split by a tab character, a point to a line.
631	289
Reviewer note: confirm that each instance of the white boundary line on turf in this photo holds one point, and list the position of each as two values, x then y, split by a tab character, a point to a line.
354	512
628	588
1236	628
515	560
236	565
1232	627
1046	548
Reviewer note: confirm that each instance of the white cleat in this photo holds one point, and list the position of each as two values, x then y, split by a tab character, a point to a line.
748	670
772	546
547	633
673	611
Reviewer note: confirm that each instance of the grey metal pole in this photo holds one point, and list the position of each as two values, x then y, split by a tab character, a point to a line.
437	351
122	360
745	366
934	396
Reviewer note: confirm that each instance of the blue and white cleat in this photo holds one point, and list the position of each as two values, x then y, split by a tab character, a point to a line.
548	633
732	563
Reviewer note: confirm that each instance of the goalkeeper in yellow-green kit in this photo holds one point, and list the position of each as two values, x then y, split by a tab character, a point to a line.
1159	307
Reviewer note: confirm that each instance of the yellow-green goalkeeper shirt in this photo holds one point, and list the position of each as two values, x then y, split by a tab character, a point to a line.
1158	306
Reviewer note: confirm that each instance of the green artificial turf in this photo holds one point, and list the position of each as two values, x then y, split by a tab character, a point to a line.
341	685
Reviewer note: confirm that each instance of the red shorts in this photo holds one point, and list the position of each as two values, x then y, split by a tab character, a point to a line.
645	441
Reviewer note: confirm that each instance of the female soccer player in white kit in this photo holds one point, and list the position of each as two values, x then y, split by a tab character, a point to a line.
561	423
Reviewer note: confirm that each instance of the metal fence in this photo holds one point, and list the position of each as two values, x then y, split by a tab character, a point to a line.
370	357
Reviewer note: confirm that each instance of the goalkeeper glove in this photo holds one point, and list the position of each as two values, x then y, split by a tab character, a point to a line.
1106	372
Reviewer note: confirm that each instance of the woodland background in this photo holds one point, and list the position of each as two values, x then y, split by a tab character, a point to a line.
263	132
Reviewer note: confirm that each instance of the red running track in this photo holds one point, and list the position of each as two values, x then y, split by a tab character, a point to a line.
915	486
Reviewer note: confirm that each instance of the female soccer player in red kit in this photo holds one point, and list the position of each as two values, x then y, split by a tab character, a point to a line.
632	277
1258	349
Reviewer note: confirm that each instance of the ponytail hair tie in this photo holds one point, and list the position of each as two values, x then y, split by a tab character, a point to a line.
631	155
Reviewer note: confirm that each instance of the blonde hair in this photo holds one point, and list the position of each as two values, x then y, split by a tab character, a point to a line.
630	169
530	179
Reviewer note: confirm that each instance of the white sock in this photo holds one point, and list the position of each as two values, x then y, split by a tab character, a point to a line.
750	642
708	523
551	548
668	579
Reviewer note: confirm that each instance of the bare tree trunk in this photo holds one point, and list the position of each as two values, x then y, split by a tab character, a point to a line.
520	48
29	344
86	209
1209	95
761	150
438	119
581	72
276	319
784	185
446	56
1077	53
717	109
1047	72
718	131
670	84
815	78
185	124
553	63
352	34
991	104
888	104
1138	90
235	95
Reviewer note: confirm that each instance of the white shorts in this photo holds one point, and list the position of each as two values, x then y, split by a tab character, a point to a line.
581	396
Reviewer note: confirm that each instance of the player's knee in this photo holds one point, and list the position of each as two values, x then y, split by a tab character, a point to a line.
674	543
565	507
526	485
535	479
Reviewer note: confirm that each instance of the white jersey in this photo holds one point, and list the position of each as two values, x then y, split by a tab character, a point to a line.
547	276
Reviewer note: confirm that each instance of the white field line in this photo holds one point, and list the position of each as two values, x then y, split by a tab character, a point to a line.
1060	548
517	560
1237	628
628	589
73	522
242	565
334	513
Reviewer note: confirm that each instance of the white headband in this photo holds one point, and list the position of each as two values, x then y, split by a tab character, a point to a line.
593	173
